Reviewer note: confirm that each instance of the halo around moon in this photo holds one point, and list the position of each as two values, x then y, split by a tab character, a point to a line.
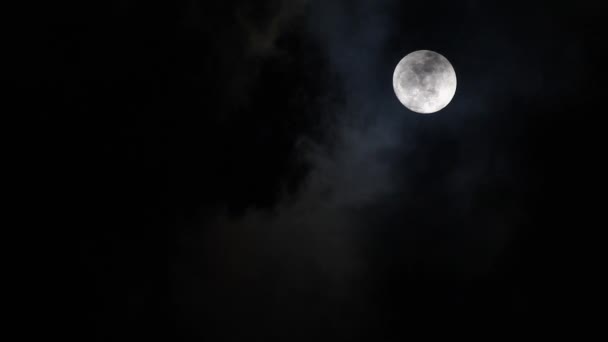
424	81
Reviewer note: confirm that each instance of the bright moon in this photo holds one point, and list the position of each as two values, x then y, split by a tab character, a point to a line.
424	81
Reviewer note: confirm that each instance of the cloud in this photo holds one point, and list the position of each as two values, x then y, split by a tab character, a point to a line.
311	243
264	30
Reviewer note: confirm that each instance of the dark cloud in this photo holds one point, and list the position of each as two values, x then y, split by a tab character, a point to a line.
257	152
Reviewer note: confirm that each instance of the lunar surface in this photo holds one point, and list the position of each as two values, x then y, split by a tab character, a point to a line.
424	81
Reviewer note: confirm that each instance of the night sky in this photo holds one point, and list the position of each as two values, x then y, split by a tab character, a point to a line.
243	171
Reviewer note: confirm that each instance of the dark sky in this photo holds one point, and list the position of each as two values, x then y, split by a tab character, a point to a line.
242	170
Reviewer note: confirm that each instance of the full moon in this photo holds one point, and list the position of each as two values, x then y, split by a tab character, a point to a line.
424	81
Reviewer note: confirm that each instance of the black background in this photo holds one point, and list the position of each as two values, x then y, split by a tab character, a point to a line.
236	170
